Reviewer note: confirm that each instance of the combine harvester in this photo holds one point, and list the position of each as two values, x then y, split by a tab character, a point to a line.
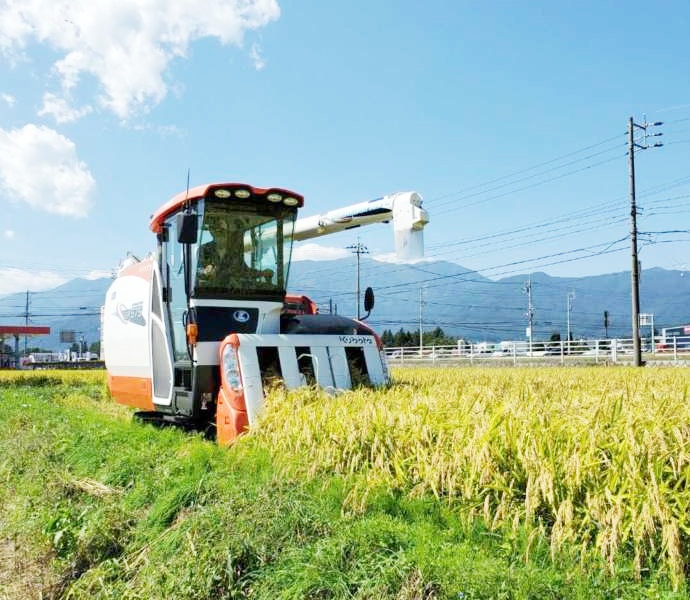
191	332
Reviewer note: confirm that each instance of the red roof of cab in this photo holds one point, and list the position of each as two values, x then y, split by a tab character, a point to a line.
200	191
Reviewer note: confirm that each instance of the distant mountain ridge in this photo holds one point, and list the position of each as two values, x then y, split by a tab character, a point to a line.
466	304
72	306
462	302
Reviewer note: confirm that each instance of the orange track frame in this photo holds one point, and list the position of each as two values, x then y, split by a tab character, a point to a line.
132	391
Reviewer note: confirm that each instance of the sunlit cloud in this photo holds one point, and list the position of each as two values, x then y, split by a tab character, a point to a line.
18	280
60	109
257	58
311	251
161	130
126	45
392	257
98	274
40	167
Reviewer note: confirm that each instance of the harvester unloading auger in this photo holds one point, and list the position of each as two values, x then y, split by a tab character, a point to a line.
189	332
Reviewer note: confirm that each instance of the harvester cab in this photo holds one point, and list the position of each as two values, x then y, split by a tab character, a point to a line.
191	333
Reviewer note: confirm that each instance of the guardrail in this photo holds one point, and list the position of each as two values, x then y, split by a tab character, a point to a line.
675	351
64	364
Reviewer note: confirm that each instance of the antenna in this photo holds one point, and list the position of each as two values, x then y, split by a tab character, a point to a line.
186	198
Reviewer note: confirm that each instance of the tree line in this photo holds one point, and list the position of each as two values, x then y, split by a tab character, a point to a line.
435	337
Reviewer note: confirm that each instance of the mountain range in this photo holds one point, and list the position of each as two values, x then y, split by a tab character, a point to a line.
463	303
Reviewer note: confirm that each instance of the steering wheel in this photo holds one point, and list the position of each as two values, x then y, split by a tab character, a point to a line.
266	275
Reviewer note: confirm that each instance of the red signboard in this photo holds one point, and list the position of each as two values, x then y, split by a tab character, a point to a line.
24	330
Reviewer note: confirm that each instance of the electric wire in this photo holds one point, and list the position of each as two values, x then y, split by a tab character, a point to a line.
534	234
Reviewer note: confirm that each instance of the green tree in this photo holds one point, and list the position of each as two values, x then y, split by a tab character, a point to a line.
34	349
403	337
437	337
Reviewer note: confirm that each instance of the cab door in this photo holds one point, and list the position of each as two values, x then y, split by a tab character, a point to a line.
161	346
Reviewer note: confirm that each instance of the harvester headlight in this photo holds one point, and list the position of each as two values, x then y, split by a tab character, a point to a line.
274	197
222	193
242	194
290	201
231	368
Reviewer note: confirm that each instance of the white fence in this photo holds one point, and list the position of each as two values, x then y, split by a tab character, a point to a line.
671	351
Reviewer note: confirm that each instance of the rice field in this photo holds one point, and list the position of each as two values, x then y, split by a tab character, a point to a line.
595	460
476	483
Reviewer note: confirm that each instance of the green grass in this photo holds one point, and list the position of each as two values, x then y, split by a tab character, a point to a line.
331	498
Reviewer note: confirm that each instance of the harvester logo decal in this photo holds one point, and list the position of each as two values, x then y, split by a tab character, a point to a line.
241	316
134	314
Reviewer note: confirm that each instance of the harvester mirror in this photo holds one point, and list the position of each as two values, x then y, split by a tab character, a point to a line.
186	228
368	299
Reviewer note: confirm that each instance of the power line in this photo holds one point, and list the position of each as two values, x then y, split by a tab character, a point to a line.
533	185
526	170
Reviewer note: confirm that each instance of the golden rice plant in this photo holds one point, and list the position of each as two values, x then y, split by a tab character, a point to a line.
52	376
597	458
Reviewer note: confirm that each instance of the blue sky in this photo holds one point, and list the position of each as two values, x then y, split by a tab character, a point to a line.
508	118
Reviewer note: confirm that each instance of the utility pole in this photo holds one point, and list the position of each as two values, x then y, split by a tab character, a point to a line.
571	297
530	313
606	324
358	249
635	267
26	319
421	324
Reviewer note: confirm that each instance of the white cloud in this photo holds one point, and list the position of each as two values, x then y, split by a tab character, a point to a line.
126	45
162	130
61	110
311	251
40	167
257	58
8	99
98	274
392	257
17	280
8	234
